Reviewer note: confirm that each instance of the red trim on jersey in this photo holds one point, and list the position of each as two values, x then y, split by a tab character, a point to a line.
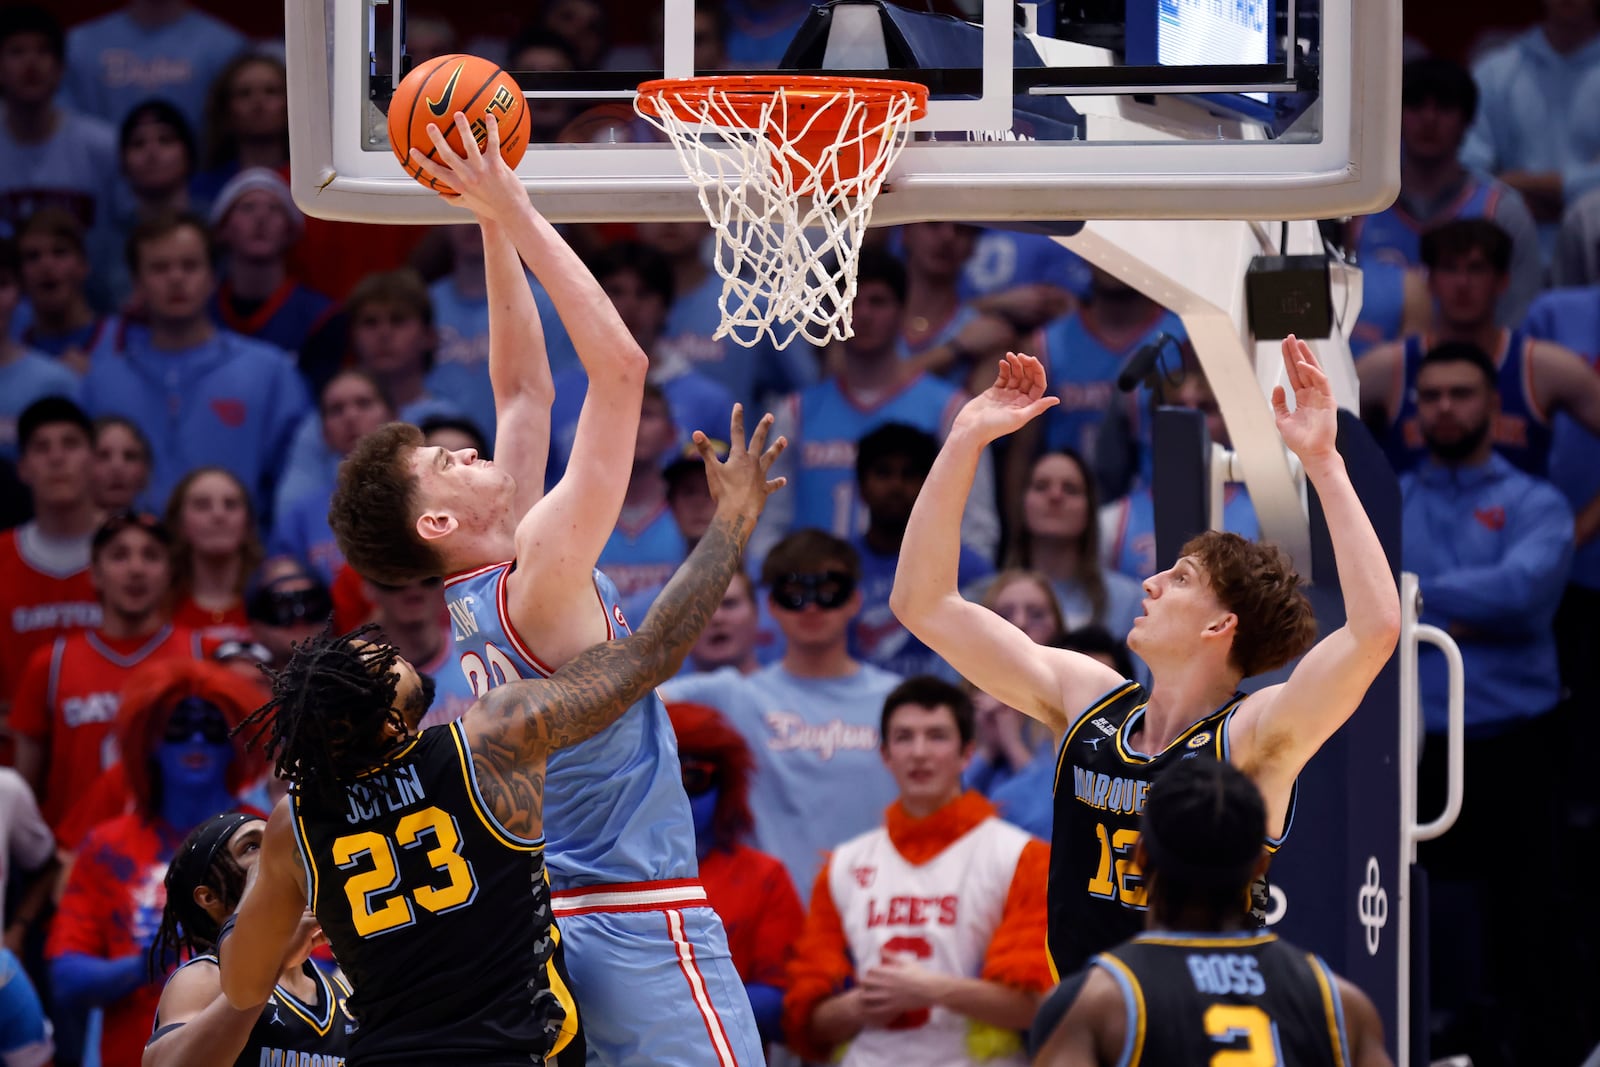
630	897
504	610
697	988
462	576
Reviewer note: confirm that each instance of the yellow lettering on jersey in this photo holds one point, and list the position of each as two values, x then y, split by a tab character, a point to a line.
1232	1023
366	889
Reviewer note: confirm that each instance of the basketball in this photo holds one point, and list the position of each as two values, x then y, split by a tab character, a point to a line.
431	95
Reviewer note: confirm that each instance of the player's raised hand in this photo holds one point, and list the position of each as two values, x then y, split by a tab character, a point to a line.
739	484
1016	397
482	181
1311	428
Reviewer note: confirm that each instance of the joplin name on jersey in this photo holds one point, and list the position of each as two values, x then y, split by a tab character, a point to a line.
388	791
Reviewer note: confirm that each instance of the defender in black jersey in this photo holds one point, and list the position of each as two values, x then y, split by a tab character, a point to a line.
422	855
1226	610
304	1021
1199	987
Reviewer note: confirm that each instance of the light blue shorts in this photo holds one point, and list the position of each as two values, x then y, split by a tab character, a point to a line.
654	983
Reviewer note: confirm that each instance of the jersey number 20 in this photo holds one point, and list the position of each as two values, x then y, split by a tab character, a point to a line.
378	902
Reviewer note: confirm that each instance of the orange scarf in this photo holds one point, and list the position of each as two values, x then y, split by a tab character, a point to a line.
919	840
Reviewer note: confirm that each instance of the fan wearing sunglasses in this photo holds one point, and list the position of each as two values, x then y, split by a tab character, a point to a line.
811	719
749	889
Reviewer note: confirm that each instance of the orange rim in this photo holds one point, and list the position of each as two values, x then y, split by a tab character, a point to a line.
746	95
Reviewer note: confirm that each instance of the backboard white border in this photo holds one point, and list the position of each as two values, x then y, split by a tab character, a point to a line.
1353	169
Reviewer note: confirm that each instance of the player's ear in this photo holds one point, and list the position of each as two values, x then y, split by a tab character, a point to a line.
432	525
1225	625
206	897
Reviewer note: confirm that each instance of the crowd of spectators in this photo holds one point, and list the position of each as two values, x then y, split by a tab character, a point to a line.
185	358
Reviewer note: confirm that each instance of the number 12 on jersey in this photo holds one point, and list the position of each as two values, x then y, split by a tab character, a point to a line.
1118	877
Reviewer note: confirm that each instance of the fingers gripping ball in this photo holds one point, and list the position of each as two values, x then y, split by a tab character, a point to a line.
431	95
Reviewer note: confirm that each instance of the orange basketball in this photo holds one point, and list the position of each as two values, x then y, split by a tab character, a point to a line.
431	95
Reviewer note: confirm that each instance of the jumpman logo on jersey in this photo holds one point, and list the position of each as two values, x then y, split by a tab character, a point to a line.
1093	742
276	1020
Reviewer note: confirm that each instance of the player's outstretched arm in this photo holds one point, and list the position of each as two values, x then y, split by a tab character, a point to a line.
558	545
268	918
1278	729
198	1027
514	727
1091	1033
1049	684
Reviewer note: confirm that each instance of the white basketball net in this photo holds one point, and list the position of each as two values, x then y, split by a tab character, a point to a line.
788	228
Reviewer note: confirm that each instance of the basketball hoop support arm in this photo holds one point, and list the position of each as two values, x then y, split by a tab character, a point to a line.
1197	269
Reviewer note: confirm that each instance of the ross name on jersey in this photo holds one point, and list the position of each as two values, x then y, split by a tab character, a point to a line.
1218	974
280	1057
393	790
1100	790
913	911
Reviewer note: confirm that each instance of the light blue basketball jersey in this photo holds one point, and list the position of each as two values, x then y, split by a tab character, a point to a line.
1083	370
828	426
614	807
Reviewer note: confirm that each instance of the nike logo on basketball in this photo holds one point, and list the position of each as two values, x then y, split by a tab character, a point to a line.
439	106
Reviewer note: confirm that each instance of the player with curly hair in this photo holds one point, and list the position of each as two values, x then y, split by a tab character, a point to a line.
1227	610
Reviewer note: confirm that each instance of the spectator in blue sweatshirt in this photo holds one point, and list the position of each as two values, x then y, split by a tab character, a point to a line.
1491	546
201	394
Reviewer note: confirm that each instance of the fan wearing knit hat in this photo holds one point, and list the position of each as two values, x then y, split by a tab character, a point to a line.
256	224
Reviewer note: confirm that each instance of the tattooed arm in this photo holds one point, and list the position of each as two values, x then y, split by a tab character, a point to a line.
514	727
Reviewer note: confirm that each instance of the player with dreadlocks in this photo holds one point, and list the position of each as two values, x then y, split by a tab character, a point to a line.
422	855
1202	985
195	1025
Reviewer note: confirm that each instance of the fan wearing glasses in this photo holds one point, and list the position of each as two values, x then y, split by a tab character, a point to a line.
811	719
286	603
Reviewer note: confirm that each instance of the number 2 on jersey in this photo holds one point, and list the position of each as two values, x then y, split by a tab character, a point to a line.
1227	1023
378	903
1118	877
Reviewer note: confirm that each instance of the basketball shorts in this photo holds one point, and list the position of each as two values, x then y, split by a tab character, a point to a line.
653	979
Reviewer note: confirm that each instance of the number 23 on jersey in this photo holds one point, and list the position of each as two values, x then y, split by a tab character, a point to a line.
379	902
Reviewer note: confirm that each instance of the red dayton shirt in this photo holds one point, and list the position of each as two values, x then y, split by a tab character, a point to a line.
45	591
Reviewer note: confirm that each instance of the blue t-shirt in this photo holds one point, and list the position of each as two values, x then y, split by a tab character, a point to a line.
819	777
1082	370
640	559
461	357
749	374
696	403
31	376
300	529
75	169
878	637
114	63
24	1030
